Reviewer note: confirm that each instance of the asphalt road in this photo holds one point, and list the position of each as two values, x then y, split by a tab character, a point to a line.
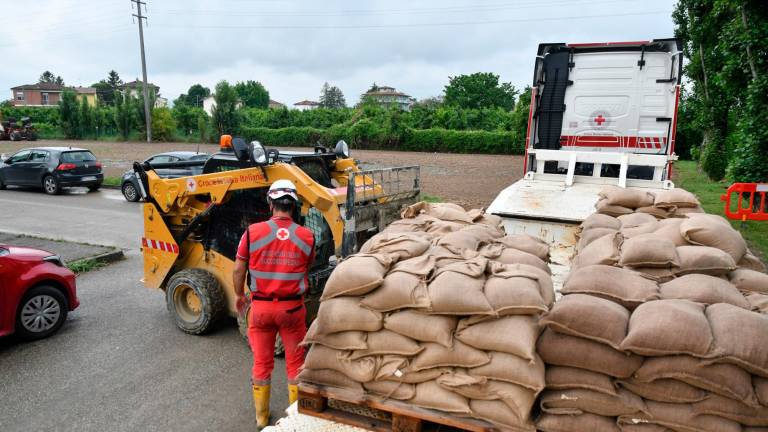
119	362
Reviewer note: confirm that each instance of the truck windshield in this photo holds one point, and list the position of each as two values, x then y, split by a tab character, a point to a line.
77	156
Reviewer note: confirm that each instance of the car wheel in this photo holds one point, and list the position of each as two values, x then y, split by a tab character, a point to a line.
41	313
15	136
195	300
51	185
129	192
242	324
94	188
2	184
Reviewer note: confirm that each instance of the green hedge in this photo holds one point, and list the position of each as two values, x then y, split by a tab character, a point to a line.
367	135
49	115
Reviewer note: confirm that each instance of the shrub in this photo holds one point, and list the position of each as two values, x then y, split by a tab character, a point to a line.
163	125
284	137
441	140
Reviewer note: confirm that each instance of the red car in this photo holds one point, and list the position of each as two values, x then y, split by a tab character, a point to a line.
36	292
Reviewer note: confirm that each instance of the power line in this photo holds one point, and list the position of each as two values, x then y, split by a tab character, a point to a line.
145	90
68	36
405	25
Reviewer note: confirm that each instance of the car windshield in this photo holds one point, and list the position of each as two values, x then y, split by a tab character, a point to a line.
4	251
199	157
77	156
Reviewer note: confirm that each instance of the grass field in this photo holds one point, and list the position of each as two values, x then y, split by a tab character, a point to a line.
688	177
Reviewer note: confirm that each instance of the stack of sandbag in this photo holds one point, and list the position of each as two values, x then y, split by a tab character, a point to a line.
441	311
661	327
617	201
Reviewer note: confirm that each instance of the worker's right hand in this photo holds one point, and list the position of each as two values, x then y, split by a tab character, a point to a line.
240	304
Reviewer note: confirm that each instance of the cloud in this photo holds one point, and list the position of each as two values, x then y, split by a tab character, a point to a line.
292	47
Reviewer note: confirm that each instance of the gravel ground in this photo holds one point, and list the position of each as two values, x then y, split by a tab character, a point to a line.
469	180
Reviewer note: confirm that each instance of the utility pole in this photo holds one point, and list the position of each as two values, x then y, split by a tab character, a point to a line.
147	112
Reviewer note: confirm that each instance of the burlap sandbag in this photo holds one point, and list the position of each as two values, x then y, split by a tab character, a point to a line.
563	350
342	314
749	280
625	287
648	250
360	370
680	418
388	342
643	427
687	211
439	228
635	231
635	219
412	377
513	369
421	327
526	243
604	250
579	401
431	395
391	389
664	390
749	261
329	377
670	230
498	413
459	355
563	378
507	255
399	246
576	423
657	212
588	317
518	399
357	275
714	231
588	236
515	334
758	302
514	291
612	210
626	197
461	240
457	289
658	275
675	197
443	211
403	287
761	389
349	340
724	379
486	233
704	259
741	336
544	278
417	224
732	410
667	327
703	289
597	220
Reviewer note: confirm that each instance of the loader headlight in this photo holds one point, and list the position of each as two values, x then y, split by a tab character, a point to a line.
342	149
258	153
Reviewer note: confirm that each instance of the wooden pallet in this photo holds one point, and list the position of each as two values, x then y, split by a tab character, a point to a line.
379	414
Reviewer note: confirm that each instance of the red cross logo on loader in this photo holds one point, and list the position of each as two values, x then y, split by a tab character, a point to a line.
600	120
283	234
191	185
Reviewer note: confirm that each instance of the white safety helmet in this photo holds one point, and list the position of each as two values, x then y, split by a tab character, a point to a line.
282	189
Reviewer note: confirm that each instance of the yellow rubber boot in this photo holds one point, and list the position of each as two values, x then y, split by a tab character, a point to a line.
293	393
261	404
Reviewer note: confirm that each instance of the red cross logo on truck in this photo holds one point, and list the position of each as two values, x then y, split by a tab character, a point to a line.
600	120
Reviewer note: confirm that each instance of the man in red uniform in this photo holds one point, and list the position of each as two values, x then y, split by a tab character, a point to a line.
277	255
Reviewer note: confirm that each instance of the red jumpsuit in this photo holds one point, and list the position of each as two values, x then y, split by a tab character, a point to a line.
278	258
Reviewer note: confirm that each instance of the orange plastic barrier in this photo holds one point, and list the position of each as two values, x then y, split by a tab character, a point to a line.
751	201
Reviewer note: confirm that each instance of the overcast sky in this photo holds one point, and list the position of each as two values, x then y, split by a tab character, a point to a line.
293	46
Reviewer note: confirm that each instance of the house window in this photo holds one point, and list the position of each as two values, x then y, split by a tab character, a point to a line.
19	95
45	98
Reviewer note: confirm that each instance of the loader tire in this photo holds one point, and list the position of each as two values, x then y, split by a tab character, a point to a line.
195	300
242	324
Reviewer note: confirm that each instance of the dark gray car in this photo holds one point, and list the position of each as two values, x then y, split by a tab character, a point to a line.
51	168
130	184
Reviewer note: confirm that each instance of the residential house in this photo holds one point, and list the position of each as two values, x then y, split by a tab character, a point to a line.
210	102
135	88
86	93
273	104
306	105
386	96
40	94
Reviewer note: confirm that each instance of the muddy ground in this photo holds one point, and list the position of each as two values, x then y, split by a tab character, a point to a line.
469	180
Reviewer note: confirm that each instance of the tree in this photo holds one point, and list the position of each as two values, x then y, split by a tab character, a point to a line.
49	78
106	89
114	80
125	114
197	93
252	94
479	90
224	114
519	120
69	114
163	125
373	88
332	97
85	124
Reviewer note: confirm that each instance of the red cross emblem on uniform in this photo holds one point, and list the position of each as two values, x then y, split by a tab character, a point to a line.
283	234
600	120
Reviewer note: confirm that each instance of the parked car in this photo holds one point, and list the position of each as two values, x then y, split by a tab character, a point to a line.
36	292
130	184
52	168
